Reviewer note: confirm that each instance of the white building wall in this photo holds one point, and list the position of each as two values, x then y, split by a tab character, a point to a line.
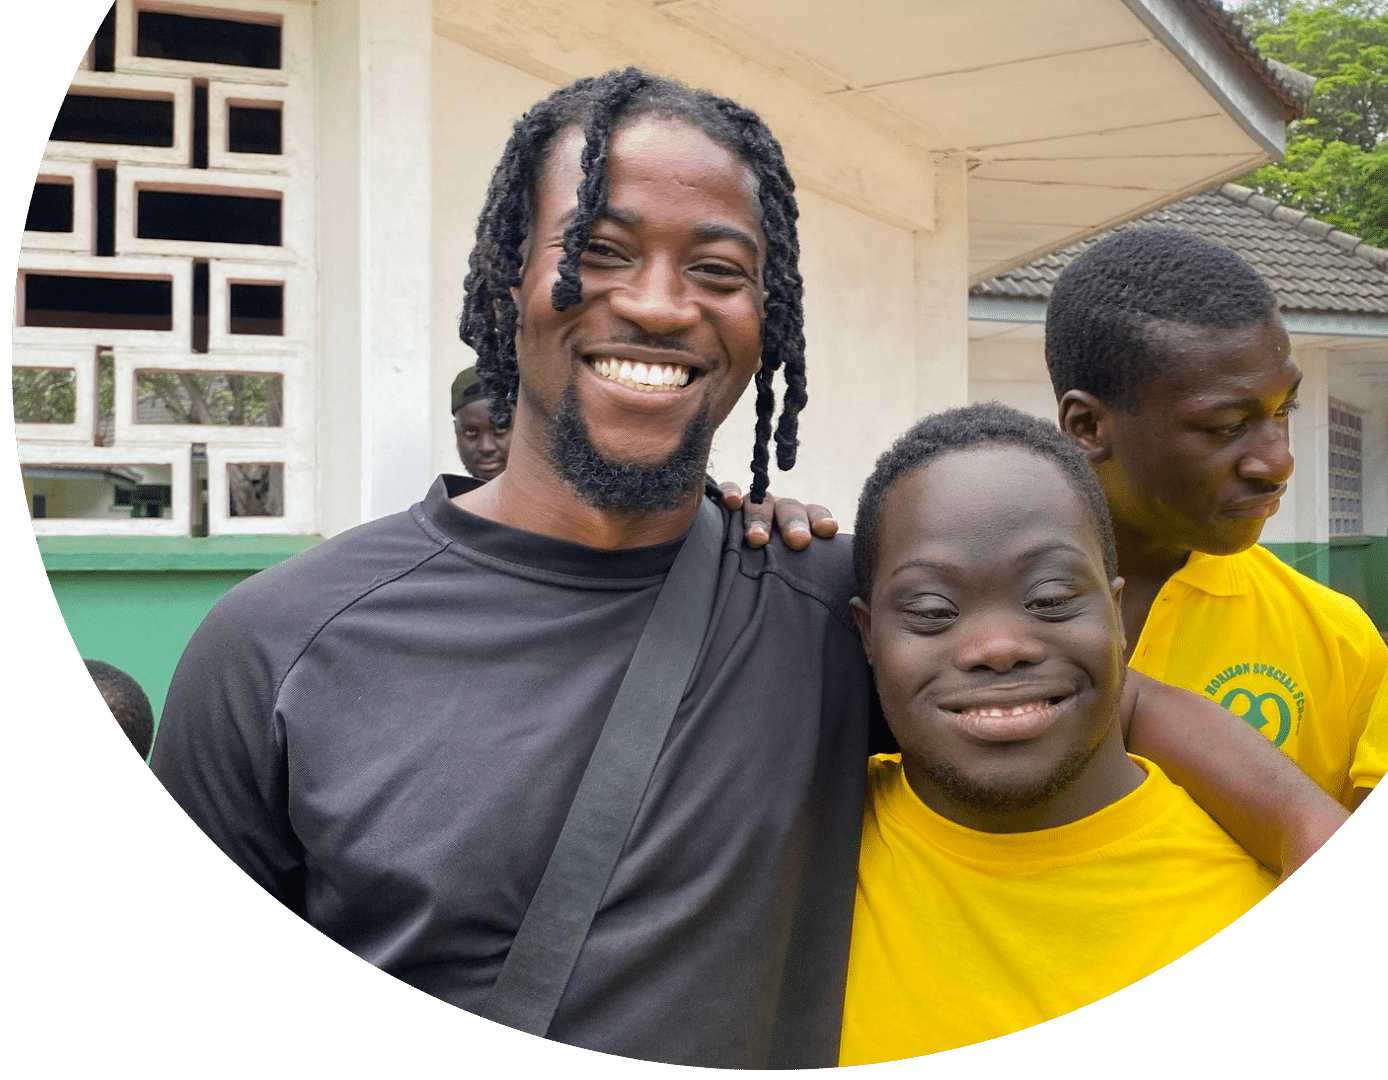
1376	460
942	293
1012	370
1305	511
1368	394
860	352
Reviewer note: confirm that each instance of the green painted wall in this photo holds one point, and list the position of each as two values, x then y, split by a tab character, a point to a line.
138	620
1310	558
1354	565
135	601
1359	568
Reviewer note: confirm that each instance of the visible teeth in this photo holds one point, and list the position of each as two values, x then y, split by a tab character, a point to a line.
1018	710
641	376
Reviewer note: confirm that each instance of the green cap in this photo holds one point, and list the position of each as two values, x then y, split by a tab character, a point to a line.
466	387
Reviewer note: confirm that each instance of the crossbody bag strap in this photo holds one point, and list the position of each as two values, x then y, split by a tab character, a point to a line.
547	944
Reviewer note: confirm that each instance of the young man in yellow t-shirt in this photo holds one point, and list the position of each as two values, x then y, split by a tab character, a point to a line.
1174	373
1016	862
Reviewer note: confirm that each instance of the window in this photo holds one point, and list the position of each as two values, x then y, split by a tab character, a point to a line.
1346	470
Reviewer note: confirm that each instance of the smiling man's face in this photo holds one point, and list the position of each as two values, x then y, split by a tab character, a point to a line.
994	638
632	381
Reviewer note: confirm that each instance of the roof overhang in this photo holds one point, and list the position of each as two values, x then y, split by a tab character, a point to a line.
1358	342
1075	115
993	309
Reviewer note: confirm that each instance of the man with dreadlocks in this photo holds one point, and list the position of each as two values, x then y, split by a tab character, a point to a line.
387	731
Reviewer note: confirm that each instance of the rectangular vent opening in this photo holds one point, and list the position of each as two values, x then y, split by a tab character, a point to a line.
104	44
200	297
199	156
222	398
105	430
255	489
105	240
50	208
254	130
218	219
103	302
166	36
102	118
44	395
100	491
257	309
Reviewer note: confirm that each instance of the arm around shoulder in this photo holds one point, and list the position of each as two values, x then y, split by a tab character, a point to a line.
1251	788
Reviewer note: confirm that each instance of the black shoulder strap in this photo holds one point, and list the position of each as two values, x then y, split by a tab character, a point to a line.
546	945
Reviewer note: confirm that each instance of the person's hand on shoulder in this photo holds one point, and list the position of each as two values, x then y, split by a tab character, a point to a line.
797	522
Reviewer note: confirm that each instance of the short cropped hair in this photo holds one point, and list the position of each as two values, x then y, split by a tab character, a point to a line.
127	702
968	428
1105	315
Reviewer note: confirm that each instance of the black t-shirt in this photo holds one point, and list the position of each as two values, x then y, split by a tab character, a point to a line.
387	731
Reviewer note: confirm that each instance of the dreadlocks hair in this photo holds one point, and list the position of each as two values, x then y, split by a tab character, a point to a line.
127	702
598	105
974	426
1108	308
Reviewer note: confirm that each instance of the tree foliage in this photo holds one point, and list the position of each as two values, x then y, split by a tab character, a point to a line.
44	395
1336	167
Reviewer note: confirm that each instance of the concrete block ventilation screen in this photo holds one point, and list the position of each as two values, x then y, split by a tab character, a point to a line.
164	338
1346	470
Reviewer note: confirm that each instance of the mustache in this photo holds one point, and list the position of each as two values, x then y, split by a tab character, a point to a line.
636	336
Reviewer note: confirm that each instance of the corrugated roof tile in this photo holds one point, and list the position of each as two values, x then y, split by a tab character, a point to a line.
1309	264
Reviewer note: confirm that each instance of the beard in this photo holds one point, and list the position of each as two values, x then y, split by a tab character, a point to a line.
996	798
611	485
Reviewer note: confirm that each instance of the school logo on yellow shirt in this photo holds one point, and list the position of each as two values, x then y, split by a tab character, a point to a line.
1264	695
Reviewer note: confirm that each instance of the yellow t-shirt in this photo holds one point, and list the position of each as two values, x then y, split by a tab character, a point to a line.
1297	660
1371	759
961	936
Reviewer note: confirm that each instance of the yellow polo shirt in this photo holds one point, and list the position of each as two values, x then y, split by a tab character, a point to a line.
961	936
1297	660
1371	759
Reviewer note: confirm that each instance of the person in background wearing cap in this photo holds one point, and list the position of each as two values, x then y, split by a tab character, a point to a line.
481	443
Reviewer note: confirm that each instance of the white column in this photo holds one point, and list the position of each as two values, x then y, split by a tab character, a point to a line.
1305	512
375	109
338	368
942	293
1376	463
396	64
